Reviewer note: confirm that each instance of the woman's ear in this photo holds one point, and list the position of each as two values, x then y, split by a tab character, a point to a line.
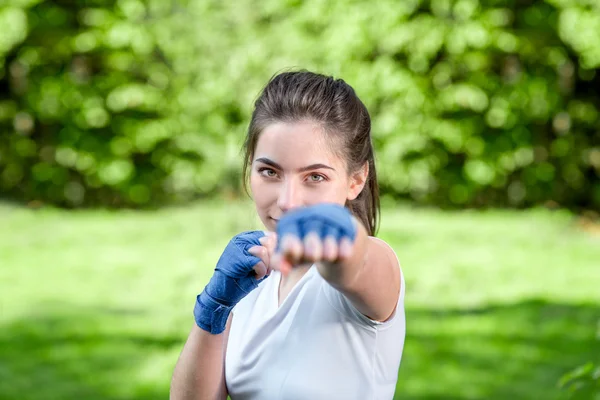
358	179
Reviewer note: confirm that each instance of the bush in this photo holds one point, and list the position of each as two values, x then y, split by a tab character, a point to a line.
133	103
582	382
90	112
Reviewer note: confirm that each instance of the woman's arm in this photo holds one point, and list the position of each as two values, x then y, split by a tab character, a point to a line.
363	268
369	276
200	370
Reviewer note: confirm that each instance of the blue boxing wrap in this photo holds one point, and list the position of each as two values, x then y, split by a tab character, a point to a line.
323	219
232	280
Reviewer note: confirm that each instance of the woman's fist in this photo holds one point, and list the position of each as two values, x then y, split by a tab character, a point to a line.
320	233
265	253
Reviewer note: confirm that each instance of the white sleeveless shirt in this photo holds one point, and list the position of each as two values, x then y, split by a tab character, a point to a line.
316	345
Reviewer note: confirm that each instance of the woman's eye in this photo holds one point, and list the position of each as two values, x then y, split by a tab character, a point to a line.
268	172
316	178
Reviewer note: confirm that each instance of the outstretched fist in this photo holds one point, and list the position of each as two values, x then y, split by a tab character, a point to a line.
319	233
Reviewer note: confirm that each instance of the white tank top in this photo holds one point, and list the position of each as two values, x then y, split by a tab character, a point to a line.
316	345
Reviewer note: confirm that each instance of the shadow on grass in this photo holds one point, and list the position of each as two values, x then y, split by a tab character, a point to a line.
514	351
89	355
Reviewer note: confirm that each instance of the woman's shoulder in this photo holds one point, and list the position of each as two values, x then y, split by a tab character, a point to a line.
384	246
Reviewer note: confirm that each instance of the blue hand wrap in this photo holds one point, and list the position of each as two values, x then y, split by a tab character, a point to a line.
232	280
323	219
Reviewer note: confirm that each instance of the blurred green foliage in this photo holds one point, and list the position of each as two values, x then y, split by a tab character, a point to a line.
129	102
583	382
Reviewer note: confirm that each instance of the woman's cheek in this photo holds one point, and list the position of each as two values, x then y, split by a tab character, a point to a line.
255	187
262	194
328	192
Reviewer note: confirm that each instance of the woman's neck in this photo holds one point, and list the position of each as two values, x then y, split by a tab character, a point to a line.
287	283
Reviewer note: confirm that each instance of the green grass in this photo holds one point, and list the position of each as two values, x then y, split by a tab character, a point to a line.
97	304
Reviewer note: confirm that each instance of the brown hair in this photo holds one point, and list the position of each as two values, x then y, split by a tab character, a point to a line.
333	104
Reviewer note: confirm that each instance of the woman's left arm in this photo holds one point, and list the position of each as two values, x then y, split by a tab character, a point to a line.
361	267
369	275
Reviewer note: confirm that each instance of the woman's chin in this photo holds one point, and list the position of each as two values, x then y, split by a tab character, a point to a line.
270	224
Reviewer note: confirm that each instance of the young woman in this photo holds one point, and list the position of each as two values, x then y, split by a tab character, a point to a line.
312	308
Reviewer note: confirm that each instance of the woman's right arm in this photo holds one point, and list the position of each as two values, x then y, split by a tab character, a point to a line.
200	370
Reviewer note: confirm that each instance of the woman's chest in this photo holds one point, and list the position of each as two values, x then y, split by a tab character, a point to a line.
301	347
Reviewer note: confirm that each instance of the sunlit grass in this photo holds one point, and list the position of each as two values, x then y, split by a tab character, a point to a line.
97	304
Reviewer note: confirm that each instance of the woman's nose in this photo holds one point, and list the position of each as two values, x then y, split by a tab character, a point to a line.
289	196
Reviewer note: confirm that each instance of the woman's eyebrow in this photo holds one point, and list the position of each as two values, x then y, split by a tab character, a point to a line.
315	166
273	164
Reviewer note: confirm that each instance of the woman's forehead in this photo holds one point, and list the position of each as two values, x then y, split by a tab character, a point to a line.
295	144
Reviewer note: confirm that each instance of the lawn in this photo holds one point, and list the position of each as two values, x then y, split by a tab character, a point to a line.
97	304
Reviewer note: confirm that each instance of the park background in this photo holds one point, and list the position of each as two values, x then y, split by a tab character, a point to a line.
121	124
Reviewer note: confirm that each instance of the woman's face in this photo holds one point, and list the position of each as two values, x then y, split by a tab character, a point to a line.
294	166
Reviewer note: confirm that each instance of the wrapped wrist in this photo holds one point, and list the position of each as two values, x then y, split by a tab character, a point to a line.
232	280
210	314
